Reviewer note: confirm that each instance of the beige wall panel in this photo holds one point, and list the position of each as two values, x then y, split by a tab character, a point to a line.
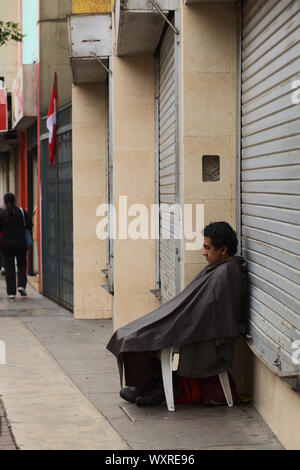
134	128
86	248
137	74
209	85
89	191
9	52
129	307
87	182
90	296
211	37
209	103
87	148
84	215
92	105
192	270
278	405
138	166
132	274
134	177
93	314
194	149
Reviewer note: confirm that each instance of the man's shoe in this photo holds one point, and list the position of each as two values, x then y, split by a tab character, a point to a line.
22	291
153	397
130	393
11	297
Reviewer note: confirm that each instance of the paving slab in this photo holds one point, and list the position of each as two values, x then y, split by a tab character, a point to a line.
149	428
198	427
41	420
6	439
62	386
83	434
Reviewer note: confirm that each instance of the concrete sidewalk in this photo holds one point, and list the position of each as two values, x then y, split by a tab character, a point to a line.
60	390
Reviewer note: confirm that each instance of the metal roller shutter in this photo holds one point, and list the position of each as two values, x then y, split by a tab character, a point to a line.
109	271
168	167
270	179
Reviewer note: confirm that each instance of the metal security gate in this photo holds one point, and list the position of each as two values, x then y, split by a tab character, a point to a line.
169	219
270	180
57	215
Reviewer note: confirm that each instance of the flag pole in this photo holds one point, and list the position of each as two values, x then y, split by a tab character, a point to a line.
51	120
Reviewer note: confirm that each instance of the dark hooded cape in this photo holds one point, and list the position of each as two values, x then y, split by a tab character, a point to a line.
211	307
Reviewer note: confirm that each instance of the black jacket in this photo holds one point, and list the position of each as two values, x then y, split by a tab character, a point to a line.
213	307
13	228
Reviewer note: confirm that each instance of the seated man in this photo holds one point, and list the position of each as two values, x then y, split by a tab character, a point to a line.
203	321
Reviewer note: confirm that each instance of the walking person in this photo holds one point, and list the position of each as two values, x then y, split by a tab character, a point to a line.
13	222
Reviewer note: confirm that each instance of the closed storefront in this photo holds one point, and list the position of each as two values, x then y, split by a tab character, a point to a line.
57	213
270	180
168	171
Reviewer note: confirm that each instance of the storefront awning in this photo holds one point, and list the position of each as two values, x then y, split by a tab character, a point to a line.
90	47
139	24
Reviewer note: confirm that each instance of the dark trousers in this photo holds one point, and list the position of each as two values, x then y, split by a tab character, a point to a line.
10	271
140	368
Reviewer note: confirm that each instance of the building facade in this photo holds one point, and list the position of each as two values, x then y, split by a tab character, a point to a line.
28	70
173	114
192	108
56	209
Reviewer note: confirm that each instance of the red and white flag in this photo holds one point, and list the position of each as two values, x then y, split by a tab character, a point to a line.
51	121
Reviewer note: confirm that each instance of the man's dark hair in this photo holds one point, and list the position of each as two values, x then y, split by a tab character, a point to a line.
222	234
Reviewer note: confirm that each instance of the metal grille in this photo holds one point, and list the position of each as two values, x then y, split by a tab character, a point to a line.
270	177
57	217
50	245
65	224
168	167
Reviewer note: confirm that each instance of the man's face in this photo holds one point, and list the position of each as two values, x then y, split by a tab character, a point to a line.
213	255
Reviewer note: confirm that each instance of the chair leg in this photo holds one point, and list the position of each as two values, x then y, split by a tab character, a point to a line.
226	387
166	359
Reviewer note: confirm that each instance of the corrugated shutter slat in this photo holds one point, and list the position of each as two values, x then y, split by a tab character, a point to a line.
167	165
270	177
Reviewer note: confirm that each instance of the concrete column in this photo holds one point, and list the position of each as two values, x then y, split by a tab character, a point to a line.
89	191
208	126
278	404
134	177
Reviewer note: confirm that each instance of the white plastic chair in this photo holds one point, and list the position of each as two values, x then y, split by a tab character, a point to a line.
166	359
